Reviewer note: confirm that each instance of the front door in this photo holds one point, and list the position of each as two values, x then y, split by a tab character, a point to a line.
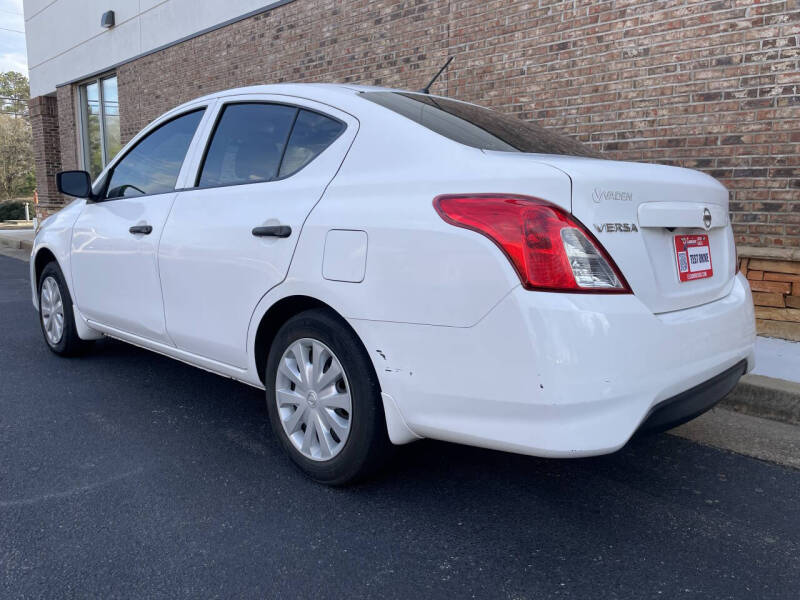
230	238
115	239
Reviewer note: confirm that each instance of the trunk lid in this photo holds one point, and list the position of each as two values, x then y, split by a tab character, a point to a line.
636	210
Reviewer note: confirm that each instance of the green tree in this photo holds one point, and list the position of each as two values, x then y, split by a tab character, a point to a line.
14	93
16	156
16	150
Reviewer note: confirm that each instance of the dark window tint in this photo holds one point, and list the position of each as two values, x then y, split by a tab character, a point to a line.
311	134
476	126
152	166
247	145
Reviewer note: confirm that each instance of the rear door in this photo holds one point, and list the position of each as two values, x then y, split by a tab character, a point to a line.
115	239
231	234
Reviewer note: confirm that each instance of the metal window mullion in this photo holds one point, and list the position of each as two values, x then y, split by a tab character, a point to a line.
102	116
83	109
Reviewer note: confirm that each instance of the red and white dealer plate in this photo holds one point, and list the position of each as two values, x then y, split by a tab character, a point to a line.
693	257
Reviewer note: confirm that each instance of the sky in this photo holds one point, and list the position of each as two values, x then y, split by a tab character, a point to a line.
13	56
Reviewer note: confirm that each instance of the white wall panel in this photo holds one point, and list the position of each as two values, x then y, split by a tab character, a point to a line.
66	42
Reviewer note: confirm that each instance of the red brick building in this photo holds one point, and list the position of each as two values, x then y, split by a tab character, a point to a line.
710	85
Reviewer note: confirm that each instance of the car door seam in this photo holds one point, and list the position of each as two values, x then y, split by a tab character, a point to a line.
158	268
300	233
69	257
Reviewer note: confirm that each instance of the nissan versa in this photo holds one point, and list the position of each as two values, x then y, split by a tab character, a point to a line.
392	266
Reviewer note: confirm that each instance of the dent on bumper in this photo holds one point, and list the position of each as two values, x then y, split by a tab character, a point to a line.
556	374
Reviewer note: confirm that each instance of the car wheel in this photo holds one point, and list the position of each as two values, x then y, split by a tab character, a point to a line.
55	313
324	399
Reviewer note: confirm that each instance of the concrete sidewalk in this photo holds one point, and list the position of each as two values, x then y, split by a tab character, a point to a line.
772	389
745	434
777	359
17	239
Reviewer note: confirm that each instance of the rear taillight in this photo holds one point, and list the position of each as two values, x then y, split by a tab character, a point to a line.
549	248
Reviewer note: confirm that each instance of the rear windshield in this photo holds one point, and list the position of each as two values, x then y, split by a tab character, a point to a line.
476	126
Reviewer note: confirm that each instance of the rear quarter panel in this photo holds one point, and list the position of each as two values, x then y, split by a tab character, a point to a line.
419	269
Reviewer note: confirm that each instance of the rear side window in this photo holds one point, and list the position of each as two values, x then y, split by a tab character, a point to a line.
247	144
153	165
476	126
311	134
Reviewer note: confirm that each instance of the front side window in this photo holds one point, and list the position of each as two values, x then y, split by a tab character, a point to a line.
100	128
153	164
476	126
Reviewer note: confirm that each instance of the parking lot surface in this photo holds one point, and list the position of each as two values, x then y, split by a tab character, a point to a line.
127	474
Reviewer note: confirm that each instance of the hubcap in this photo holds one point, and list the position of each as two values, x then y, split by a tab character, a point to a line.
52	309
313	399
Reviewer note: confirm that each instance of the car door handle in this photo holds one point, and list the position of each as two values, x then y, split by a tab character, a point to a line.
145	229
281	231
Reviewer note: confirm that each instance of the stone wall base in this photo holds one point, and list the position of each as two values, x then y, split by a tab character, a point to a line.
774	277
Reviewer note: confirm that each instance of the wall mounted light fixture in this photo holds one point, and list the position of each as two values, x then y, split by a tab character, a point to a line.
107	20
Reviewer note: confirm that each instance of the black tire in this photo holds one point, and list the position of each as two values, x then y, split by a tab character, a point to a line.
367	447
69	344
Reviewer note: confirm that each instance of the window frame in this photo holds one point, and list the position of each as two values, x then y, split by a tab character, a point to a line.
166	119
83	120
220	111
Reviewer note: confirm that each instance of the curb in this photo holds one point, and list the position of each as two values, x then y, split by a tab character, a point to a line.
766	397
15	243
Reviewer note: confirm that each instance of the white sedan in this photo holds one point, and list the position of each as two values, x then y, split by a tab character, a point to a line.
390	265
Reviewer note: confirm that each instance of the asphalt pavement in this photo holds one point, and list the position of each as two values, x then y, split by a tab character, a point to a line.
128	474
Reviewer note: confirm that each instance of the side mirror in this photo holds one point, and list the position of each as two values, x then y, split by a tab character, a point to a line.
74	183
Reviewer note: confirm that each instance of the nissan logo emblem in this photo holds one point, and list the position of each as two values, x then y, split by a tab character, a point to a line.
707	219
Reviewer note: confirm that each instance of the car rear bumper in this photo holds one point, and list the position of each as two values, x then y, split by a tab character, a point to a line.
693	402
557	374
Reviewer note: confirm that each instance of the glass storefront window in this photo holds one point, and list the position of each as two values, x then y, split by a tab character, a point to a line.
100	130
111	117
93	151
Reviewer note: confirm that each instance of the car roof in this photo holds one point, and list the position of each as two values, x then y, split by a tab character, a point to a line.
315	90
321	92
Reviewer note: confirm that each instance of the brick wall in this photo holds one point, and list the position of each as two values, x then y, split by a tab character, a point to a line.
68	132
708	85
45	128
374	42
712	85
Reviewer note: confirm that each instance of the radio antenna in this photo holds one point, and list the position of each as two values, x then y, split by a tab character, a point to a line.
427	88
